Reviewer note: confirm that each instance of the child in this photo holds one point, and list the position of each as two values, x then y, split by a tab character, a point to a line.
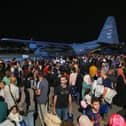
88	96
15	116
87	99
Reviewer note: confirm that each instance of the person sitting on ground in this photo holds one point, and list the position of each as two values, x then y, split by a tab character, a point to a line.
15	116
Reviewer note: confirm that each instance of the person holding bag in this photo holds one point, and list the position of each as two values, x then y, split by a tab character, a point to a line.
42	97
86	102
11	93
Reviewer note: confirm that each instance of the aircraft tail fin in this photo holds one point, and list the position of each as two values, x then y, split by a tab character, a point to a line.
109	33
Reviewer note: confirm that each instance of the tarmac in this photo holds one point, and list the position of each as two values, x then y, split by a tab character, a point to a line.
76	113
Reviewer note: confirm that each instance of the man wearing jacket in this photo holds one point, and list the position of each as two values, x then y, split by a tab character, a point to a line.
42	97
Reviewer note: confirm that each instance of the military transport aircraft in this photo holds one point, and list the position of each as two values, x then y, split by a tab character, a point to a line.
108	36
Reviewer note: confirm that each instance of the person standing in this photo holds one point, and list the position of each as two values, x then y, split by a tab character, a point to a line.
121	90
94	113
6	78
42	97
50	79
62	99
11	93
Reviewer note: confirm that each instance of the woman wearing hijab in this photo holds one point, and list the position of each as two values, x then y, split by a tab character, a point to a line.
87	84
121	88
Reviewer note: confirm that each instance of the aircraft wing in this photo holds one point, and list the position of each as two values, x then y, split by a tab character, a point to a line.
38	47
35	42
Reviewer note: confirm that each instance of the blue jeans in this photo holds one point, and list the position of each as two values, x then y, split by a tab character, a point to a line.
62	113
23	123
29	119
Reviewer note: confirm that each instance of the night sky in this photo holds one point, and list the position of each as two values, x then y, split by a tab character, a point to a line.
60	24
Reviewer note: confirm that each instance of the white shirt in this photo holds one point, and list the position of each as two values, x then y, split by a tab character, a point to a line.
8	98
38	84
73	77
2	93
8	123
88	99
15	117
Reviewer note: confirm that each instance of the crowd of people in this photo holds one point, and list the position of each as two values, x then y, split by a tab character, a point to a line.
30	88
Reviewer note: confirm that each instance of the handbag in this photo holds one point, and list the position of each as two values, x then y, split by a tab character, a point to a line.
99	90
109	95
83	104
52	120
